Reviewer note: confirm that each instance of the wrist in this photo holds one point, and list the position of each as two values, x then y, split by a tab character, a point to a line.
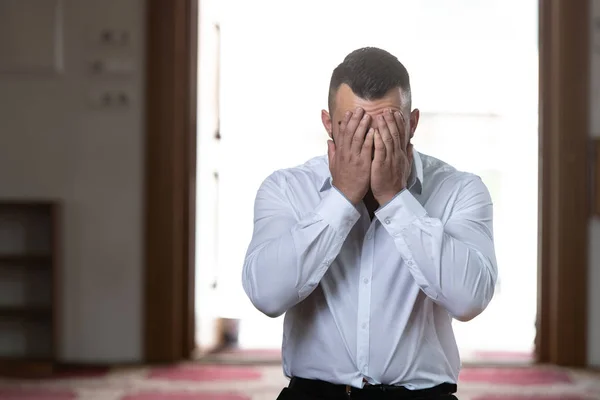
353	199
383	199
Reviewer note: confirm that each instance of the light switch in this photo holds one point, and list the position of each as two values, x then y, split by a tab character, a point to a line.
113	66
109	99
114	37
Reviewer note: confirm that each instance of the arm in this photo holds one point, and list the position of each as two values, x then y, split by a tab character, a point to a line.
454	264
287	258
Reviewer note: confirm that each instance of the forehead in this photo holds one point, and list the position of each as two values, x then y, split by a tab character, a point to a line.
346	100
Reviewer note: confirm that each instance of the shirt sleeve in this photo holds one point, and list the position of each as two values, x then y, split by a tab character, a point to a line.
453	263
288	256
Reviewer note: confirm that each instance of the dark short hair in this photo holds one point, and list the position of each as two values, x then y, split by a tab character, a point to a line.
371	73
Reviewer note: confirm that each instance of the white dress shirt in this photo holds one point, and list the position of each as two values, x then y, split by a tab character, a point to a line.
372	299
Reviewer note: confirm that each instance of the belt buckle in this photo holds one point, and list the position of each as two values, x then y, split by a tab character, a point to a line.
348	391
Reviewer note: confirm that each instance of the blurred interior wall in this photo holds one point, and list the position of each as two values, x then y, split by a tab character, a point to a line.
71	128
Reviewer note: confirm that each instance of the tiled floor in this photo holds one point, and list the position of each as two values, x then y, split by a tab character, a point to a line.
252	382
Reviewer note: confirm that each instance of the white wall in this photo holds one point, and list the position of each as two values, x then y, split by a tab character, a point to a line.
55	143
594	228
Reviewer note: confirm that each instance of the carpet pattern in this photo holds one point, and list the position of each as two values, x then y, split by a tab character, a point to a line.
196	381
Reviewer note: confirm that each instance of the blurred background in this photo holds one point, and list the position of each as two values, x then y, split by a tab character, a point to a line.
134	135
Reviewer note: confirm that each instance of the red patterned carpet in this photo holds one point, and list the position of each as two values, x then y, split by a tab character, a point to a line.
197	381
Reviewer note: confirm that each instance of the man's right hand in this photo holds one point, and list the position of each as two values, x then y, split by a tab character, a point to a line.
350	155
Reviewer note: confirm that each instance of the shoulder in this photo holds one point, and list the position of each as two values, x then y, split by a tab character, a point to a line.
308	175
439	175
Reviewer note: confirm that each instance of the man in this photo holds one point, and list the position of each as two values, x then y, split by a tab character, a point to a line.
372	251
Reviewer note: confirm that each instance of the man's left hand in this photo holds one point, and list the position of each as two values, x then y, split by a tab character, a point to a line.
392	161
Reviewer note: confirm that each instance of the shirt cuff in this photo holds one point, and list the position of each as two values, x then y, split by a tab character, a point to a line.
338	212
400	212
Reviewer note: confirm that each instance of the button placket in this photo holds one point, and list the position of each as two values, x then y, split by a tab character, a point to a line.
364	303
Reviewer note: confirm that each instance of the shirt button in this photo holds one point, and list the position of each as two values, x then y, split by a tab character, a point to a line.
369	236
327	262
364	326
410	262
387	221
366	280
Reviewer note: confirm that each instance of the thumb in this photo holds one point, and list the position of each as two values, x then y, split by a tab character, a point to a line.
330	151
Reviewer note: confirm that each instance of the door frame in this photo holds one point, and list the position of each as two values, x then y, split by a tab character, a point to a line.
564	184
170	179
170	193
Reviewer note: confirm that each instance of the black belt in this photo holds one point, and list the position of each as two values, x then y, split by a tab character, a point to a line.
383	392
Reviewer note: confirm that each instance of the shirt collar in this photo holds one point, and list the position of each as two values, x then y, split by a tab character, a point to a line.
415	180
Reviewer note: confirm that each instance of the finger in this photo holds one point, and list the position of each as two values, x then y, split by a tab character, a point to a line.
386	136
367	147
352	125
401	123
330	151
393	128
380	153
358	139
340	137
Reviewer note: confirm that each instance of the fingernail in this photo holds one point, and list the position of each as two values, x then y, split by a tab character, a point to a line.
348	113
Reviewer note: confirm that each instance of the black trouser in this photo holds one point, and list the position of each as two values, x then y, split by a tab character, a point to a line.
305	389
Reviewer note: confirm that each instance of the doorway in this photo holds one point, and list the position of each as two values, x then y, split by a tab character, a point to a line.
465	68
171	73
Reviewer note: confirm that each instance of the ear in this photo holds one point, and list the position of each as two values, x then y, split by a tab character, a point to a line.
414	121
326	119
